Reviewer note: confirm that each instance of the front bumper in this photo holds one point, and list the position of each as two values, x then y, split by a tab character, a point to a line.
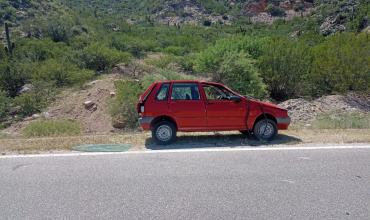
145	122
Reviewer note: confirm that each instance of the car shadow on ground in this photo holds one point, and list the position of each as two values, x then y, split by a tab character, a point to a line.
187	141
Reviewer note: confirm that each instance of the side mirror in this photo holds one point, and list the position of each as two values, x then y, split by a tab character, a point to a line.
235	98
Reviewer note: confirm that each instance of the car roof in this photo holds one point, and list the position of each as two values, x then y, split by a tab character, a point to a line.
189	81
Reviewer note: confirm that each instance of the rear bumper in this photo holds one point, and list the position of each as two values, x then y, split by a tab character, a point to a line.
283	123
145	122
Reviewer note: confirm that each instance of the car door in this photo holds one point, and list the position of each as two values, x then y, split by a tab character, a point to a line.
222	113
187	107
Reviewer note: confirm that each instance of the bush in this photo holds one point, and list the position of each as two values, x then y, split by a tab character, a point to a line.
4	105
61	74
341	63
35	101
46	128
209	59
275	11
239	72
162	61
101	58
123	108
176	50
59	28
285	65
41	50
12	78
136	45
228	61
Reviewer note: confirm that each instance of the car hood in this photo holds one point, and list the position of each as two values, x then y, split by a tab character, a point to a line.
268	104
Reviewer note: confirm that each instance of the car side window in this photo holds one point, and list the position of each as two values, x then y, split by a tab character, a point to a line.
216	93
163	92
185	91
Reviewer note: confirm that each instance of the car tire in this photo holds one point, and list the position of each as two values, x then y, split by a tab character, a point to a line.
263	132
164	133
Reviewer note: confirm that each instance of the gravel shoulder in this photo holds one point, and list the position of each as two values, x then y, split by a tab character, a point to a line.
142	140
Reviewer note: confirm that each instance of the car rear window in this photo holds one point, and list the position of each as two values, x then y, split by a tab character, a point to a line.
163	92
185	91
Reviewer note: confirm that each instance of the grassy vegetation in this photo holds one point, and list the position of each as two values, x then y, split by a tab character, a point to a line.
47	128
343	121
69	46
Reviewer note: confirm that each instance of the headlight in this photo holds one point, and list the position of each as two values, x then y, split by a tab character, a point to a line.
142	109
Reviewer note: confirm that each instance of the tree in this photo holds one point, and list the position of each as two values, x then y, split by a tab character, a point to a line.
341	63
285	66
239	72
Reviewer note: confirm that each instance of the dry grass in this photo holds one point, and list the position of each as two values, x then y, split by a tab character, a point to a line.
50	144
142	141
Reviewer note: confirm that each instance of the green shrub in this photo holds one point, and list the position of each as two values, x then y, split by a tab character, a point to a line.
162	61
12	78
101	58
275	11
46	128
228	61
285	67
341	63
343	121
35	101
136	45
61	73
175	50
40	50
240	73
123	107
210	59
59	28
4	105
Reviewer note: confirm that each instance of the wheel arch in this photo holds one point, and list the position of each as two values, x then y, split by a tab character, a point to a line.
163	118
262	117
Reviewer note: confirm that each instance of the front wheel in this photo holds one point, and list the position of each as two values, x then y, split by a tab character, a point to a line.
164	133
265	130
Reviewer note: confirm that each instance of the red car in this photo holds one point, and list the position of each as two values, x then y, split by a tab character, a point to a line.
170	106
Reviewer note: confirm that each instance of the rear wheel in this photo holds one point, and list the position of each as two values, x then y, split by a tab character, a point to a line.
164	133
265	130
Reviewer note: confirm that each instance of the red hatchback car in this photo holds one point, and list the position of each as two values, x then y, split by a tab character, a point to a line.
170	106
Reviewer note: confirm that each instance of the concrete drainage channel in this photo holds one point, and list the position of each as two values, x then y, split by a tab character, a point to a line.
102	148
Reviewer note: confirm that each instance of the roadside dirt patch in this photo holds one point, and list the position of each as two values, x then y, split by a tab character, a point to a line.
303	111
89	107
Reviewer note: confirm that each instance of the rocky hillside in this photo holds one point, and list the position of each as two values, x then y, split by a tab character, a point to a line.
331	15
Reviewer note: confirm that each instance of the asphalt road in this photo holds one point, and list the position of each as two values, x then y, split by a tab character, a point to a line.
284	184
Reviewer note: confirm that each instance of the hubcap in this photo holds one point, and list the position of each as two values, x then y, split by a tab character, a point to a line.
164	133
266	130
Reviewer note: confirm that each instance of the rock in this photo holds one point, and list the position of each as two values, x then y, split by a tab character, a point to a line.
88	104
35	116
46	115
93	82
119	124
26	89
331	26
112	94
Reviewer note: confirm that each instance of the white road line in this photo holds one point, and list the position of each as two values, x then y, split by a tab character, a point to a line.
234	149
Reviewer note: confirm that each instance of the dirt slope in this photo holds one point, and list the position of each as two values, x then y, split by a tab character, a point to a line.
69	104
